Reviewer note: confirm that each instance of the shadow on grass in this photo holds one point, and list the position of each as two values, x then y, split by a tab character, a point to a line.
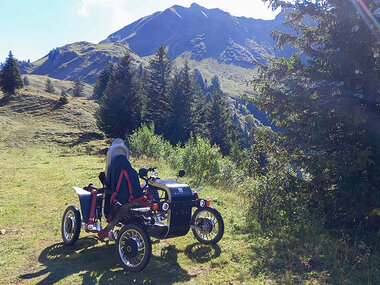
86	137
97	264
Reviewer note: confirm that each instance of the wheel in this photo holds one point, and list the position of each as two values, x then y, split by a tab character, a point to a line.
209	225
71	223
133	248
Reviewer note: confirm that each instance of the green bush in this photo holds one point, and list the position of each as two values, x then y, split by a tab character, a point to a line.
145	142
199	158
230	175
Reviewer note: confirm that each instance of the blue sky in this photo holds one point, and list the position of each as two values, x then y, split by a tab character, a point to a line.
31	28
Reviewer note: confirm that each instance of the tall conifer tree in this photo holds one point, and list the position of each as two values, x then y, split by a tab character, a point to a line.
181	98
78	88
10	79
102	81
120	109
219	122
328	103
157	90
49	86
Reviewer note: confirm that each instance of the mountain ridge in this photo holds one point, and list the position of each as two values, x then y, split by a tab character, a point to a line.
203	32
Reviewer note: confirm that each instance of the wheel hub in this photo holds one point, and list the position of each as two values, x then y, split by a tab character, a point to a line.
69	225
206	225
131	248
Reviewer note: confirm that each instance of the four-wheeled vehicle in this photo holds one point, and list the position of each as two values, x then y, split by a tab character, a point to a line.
163	209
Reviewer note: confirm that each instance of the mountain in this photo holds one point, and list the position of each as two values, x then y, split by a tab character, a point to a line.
196	32
82	60
205	33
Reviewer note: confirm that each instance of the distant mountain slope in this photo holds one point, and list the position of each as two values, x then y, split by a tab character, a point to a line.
203	32
78	60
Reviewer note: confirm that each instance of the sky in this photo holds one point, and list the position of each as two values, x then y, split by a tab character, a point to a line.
31	28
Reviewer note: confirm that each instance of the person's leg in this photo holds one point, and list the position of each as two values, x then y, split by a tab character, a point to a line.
121	214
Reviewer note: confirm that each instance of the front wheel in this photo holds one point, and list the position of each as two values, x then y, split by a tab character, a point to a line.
71	223
208	225
133	248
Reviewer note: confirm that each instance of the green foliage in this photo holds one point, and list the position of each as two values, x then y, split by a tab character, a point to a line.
49	86
120	108
157	90
219	124
181	94
102	81
26	81
278	198
10	77
63	100
144	142
78	88
199	158
199	114
327	104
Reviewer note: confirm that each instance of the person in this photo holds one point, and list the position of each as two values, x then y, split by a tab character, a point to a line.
123	181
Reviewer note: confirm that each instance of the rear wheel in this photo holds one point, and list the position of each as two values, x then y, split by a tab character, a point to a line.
133	248
209	225
71	223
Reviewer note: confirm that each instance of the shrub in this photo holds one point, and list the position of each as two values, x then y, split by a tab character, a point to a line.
63	100
144	141
199	158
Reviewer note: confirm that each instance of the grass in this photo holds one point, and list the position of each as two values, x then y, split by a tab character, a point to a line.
35	190
38	167
39	82
42	157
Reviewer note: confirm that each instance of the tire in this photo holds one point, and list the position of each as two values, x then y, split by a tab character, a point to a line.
210	223
71	224
133	248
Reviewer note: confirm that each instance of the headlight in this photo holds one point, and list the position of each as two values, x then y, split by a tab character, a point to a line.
165	206
202	203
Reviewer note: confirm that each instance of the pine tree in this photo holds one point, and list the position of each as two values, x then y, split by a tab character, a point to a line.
157	90
26	81
215	83
49	86
181	98
200	115
78	88
120	108
10	79
102	81
219	122
198	79
328	102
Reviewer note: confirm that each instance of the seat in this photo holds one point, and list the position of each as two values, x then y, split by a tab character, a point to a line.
117	148
120	178
124	181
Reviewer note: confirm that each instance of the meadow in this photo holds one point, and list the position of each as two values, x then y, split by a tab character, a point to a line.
46	148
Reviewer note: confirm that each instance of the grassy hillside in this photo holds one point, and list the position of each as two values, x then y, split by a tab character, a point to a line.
233	79
36	118
39	82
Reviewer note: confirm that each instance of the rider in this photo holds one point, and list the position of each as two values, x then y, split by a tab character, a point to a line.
124	183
